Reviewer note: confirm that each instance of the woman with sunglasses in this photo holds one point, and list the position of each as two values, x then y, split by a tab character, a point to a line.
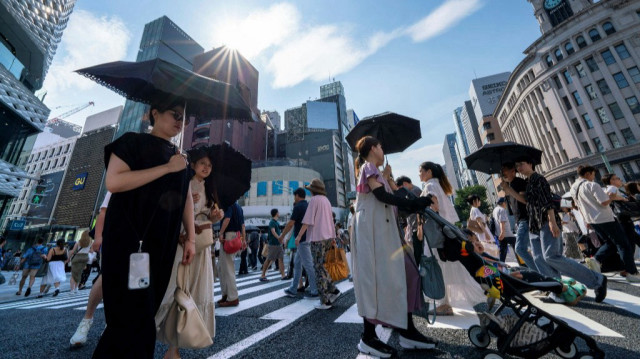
151	199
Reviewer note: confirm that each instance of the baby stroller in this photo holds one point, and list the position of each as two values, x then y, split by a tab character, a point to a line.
530	332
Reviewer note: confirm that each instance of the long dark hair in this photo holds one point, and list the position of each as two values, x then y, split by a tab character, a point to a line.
363	147
209	186
438	172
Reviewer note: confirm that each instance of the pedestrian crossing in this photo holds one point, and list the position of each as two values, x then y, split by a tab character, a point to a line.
253	294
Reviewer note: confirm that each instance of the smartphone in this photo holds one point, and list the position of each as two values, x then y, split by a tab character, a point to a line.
139	277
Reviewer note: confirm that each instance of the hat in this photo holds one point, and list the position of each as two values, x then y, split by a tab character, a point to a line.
316	187
501	200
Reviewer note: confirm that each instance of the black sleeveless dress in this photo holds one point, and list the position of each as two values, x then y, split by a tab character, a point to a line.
151	213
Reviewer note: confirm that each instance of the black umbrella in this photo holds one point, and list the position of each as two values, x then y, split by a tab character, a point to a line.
231	174
490	157
395	132
154	80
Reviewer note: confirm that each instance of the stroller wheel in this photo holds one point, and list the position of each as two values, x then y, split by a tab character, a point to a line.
568	353
492	355
479	337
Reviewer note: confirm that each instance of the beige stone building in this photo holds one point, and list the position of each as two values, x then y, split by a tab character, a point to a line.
576	93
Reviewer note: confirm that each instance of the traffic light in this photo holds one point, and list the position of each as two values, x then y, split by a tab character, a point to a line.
38	194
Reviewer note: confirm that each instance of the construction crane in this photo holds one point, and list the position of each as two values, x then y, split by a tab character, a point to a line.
73	111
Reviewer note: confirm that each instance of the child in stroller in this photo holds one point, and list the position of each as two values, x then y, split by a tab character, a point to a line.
529	332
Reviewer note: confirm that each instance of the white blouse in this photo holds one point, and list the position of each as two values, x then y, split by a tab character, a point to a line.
445	207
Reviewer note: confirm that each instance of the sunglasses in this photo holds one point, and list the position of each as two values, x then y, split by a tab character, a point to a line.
177	116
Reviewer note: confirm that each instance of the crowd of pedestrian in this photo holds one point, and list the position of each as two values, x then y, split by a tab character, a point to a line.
161	209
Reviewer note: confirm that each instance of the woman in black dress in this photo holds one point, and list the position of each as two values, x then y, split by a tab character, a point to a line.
151	198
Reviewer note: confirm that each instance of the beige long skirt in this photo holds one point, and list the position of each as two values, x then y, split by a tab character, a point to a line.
200	286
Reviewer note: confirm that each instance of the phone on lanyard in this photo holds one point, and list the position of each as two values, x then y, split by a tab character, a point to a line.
139	276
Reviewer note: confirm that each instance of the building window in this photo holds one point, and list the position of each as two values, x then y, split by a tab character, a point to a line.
262	189
582	43
598	143
591	64
576	96
634	106
634	72
627	170
549	61
608	58
55	163
276	187
602	114
608	28
567	76
569	48
613	138
576	124
587	121
486	125
556	80
580	70
62	161
559	55
567	103
604	88
591	92
629	138
491	137
66	148
620	80
616	111
594	35
622	51
294	185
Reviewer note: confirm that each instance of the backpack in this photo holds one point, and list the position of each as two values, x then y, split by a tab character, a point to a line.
35	259
493	226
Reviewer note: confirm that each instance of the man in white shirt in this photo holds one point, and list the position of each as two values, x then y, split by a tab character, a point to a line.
503	228
593	203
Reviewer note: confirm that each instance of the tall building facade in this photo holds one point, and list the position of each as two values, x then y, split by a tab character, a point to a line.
247	137
83	188
161	39
576	93
31	31
467	177
452	160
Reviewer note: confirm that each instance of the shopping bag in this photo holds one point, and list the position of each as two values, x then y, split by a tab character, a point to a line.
336	264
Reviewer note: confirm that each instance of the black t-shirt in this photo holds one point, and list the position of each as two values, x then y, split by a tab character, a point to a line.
518	208
299	209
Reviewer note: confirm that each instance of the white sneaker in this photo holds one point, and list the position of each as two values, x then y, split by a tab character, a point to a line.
633	278
323	306
556	298
593	264
334	296
80	337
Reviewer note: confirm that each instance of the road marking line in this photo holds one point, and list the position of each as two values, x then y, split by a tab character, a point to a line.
250	303
100	306
257	288
350	316
39	301
249	341
52	305
573	318
621	300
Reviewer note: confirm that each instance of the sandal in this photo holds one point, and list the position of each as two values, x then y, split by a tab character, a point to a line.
264	279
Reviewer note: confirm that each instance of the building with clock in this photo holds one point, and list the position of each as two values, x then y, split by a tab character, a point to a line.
576	93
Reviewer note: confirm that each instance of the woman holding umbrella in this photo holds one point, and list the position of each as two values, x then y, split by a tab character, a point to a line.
201	269
151	199
385	275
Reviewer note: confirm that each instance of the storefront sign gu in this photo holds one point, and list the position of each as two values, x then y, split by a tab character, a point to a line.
79	182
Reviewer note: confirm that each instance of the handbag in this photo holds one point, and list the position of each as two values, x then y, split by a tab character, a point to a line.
431	279
92	257
291	244
233	245
474	226
265	250
629	209
433	232
336	264
184	326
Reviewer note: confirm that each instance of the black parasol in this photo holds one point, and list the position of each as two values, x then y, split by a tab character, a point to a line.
395	132
490	157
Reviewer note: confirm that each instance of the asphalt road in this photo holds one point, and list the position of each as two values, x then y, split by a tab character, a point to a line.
269	325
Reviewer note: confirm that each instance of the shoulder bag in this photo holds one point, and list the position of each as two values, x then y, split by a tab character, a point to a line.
204	235
233	245
431	278
184	326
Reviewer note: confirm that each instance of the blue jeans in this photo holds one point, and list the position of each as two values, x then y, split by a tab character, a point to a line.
303	259
613	236
523	243
552	251
542	266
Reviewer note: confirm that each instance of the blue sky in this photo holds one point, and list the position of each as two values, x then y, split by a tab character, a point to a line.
416	58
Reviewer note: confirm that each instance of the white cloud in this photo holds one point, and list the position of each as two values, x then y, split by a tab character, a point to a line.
443	18
407	162
88	40
319	52
258	31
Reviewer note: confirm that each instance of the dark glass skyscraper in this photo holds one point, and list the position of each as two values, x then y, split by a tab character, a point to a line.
162	39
